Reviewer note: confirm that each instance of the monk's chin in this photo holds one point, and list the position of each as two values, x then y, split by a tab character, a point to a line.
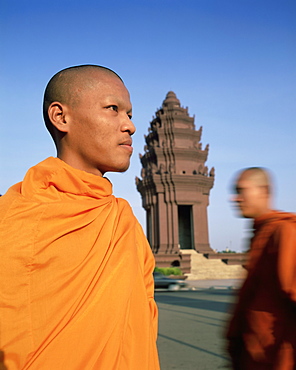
120	169
124	168
246	215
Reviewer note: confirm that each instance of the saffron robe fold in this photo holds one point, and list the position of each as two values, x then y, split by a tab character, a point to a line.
76	284
262	332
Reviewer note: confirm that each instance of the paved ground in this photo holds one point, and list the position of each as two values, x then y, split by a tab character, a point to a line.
215	284
192	324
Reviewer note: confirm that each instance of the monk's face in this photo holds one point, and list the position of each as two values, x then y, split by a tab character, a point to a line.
100	127
251	198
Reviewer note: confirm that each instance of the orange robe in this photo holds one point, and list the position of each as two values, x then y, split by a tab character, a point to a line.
76	284
262	332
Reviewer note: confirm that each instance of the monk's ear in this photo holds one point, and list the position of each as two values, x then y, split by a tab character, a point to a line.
266	190
57	113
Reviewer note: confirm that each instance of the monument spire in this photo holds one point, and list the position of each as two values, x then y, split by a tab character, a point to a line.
175	184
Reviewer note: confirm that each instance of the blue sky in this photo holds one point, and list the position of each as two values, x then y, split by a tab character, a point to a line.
232	62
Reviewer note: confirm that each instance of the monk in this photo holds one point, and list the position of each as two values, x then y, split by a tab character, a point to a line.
2	365
76	284
262	332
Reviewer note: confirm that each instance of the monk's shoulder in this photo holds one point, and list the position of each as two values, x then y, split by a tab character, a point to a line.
11	196
123	204
285	224
285	230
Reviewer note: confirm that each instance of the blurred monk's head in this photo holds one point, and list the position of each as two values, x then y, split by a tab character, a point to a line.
88	112
253	192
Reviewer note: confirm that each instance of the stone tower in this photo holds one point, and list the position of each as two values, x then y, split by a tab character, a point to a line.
175	184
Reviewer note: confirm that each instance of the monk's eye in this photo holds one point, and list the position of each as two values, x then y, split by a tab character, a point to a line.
129	116
113	107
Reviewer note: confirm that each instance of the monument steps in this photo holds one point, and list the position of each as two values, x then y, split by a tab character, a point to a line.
203	268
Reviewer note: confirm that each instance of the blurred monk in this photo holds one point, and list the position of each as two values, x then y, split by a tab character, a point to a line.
262	332
76	280
2	365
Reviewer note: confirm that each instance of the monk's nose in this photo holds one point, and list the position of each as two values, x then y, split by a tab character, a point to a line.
128	126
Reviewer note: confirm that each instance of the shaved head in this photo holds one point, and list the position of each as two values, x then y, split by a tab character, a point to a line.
87	110
258	175
67	85
252	192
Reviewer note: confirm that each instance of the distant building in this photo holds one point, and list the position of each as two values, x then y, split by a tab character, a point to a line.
175	185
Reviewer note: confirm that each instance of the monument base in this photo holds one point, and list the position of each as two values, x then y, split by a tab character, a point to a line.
204	265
